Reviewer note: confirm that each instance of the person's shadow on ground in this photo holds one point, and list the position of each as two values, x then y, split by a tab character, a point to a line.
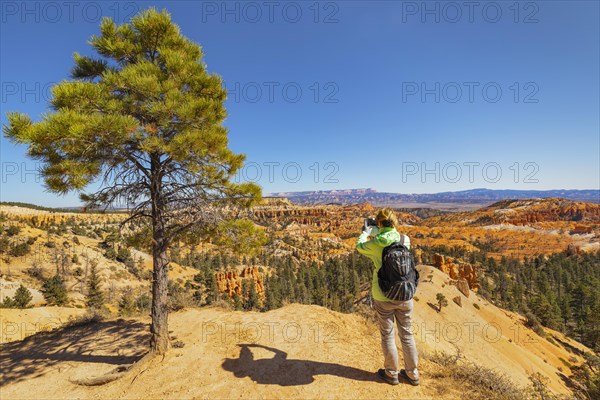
282	371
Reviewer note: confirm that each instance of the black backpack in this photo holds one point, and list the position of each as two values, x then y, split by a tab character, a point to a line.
398	277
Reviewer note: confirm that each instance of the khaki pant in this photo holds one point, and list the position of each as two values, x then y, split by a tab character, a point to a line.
401	311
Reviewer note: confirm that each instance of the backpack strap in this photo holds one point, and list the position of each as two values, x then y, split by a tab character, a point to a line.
404	241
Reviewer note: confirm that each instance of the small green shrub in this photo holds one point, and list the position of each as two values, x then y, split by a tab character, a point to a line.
13	230
22	297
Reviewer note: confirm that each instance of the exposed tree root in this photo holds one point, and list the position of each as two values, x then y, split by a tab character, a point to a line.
121	371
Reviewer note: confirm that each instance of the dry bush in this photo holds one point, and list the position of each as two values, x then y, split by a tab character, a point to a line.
539	388
366	312
223	304
92	316
480	382
180	297
491	383
444	359
35	271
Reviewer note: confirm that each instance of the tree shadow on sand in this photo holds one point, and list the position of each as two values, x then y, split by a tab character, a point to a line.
282	371
107	342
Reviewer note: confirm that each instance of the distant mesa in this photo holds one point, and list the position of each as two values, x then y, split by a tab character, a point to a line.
275	201
478	197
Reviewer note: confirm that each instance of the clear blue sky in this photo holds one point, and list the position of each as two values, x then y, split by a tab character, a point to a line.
369	73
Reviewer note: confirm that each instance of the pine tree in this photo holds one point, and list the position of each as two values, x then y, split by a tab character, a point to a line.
147	117
8	302
249	295
54	291
22	297
273	298
127	303
242	236
212	291
95	295
237	302
442	301
217	262
143	302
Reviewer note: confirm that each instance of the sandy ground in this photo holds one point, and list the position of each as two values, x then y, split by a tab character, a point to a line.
294	352
17	324
297	351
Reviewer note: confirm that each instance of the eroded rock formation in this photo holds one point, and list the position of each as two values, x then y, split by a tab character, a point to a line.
230	282
457	271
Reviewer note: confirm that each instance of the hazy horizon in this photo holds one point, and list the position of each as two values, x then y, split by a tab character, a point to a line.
279	194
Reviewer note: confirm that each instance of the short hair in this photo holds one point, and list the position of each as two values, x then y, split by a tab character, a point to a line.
386	217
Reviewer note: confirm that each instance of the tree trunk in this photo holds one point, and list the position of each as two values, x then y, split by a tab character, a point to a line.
159	340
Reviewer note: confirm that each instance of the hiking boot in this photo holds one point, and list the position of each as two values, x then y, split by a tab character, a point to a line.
391	379
414	382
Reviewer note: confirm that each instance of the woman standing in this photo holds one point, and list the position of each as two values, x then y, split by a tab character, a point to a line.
371	243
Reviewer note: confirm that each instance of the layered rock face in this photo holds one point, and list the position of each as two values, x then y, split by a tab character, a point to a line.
230	282
581	230
465	274
293	213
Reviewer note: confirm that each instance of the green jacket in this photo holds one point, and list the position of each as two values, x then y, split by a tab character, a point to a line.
374	248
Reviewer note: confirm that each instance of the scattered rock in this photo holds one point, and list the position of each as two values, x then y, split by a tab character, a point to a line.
463	286
458	300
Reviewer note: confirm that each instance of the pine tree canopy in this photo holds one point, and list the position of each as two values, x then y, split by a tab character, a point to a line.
146	118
